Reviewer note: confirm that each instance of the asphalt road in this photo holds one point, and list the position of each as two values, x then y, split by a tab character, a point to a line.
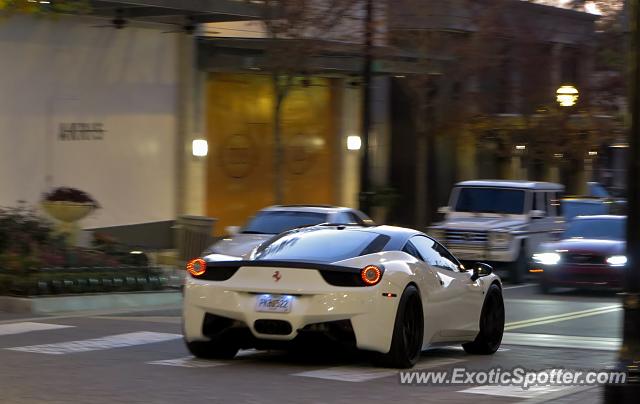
138	357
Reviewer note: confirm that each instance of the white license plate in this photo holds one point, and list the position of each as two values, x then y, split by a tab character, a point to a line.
274	303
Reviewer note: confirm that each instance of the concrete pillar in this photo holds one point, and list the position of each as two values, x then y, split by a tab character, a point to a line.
556	65
350	165
516	172
190	171
466	151
380	136
553	173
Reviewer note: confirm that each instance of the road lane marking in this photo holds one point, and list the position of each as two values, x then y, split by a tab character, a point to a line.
548	398
460	348
357	374
561	317
526	285
88	313
615	306
514	391
97	344
19	328
562	341
189	362
192	362
150	319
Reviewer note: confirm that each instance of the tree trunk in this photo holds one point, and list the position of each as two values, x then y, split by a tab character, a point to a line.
421	201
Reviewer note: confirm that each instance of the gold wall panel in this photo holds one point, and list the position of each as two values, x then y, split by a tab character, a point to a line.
240	172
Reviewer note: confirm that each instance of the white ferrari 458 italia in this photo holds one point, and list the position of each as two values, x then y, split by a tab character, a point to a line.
389	290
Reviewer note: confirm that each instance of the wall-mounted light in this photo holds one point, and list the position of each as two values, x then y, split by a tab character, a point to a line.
354	142
593	153
521	147
567	96
199	148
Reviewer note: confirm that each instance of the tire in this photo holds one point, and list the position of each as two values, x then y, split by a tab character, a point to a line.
519	267
212	349
489	338
408	332
545	287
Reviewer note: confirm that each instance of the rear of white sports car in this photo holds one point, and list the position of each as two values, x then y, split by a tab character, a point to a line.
276	298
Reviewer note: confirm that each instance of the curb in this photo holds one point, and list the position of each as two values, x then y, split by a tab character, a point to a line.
88	302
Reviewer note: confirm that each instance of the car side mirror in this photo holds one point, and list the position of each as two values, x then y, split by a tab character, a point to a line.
481	269
537	214
232	230
444	210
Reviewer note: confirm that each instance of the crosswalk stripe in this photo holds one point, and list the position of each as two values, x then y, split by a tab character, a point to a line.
562	341
193	362
189	362
358	374
97	344
514	391
19	328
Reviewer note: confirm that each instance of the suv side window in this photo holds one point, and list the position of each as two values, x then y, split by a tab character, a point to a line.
433	253
540	202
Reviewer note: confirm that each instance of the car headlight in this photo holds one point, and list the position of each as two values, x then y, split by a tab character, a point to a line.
617	260
438	234
547	258
499	238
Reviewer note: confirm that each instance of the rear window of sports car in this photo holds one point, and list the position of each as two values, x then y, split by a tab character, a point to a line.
322	246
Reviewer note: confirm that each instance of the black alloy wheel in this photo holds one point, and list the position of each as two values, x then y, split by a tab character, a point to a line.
408	332
489	338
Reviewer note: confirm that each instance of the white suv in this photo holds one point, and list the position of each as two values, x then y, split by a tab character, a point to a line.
500	222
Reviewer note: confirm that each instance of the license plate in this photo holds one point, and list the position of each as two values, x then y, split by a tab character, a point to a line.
274	303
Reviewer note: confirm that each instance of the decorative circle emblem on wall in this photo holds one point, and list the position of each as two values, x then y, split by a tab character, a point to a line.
238	155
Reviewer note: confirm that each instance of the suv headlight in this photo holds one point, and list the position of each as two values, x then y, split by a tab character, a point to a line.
617	260
438	234
499	238
549	258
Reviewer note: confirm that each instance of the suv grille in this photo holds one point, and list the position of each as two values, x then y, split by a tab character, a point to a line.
584	259
466	237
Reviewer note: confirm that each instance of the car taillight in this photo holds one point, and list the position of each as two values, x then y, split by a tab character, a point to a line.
371	275
197	267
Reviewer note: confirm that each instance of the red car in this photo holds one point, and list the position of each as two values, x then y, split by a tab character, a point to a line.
591	254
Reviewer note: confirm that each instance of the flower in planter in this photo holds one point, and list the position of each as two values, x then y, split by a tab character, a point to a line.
67	194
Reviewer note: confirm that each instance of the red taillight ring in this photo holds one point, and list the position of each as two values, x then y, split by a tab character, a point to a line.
197	267
371	275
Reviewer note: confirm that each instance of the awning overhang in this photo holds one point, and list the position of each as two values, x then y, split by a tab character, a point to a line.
328	57
177	11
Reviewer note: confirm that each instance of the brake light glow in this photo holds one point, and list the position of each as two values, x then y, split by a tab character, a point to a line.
371	275
197	267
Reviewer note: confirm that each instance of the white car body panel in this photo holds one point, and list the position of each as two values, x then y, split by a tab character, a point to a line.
451	301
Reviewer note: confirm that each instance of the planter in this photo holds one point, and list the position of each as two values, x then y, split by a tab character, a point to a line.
68	212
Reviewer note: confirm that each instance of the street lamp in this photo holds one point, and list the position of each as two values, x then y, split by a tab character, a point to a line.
567	96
